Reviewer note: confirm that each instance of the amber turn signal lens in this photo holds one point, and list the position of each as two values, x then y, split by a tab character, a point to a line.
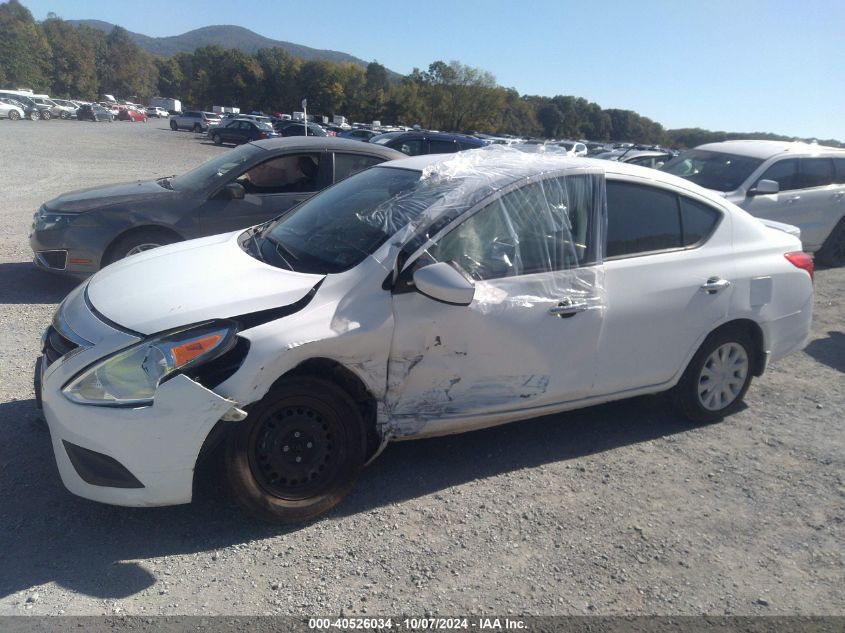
186	352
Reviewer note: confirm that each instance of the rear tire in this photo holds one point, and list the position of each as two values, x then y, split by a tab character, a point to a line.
65	115
717	378
34	116
298	453
197	128
45	115
173	126
14	115
832	253
216	139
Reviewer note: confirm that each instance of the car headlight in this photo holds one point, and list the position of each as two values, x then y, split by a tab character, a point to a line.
46	220
131	376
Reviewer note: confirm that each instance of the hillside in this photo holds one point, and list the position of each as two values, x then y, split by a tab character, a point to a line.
227	36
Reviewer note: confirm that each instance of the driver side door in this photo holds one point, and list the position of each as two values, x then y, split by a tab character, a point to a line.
528	338
260	203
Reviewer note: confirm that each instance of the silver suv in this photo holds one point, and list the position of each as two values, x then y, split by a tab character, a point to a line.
797	183
194	120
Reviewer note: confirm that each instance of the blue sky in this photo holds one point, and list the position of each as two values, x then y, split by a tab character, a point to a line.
735	65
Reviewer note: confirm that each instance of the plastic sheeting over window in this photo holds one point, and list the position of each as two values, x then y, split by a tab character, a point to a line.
527	227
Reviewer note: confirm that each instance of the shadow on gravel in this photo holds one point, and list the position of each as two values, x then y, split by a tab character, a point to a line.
22	282
830	350
50	535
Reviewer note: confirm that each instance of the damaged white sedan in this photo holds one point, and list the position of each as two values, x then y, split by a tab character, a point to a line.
422	297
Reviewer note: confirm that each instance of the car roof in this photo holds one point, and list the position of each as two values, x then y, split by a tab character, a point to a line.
500	165
767	149
327	143
436	136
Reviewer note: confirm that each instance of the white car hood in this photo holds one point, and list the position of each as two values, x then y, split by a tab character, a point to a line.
190	282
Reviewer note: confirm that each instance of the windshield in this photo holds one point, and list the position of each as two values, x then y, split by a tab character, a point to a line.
335	230
218	169
713	170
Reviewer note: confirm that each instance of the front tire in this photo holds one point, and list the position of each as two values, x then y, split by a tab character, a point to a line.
173	126
14	115
197	128
216	139
717	378
135	243
65	115
298	453
832	253
45	115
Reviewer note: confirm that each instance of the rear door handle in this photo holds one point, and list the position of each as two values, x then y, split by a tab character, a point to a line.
567	308
714	285
792	199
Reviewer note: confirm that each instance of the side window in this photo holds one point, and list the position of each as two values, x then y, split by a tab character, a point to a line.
698	220
292	173
541	227
783	172
641	219
442	147
412	147
840	170
463	145
816	172
347	164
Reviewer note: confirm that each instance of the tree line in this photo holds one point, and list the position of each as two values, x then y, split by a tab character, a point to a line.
67	61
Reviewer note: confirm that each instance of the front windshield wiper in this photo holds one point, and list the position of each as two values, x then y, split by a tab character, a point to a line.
280	250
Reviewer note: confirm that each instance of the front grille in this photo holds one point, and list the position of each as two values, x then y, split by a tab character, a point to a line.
56	346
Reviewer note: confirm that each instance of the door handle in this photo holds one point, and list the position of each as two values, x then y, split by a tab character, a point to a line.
567	308
714	285
792	199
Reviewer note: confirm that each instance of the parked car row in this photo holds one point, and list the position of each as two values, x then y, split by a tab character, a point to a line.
416	297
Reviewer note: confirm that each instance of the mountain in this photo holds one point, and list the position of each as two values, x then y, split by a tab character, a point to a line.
227	36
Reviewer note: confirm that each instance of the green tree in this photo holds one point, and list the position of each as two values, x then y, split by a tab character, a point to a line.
25	55
74	69
129	72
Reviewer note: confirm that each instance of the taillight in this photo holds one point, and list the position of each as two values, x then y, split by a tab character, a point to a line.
263	135
801	260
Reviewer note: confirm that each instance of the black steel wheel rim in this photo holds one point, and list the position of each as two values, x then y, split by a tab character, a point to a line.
296	451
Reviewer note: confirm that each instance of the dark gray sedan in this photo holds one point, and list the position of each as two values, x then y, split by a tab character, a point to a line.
80	232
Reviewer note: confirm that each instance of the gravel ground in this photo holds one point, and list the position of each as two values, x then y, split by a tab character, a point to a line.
618	509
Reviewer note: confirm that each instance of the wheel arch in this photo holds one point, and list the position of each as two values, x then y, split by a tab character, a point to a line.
755	333
135	230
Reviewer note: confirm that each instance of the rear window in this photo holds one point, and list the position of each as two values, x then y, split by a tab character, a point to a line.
816	172
641	219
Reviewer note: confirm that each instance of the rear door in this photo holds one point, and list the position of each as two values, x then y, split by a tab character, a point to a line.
669	275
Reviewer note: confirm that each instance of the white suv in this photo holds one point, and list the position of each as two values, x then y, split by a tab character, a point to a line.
797	183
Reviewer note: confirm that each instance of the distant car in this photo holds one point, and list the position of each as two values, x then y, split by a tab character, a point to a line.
26	104
645	158
130	114
358	135
418	143
194	120
241	131
796	183
11	111
69	106
157	112
94	112
82	231
297	128
573	148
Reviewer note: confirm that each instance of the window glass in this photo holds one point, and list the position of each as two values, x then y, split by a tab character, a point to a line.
291	173
840	170
783	172
816	172
641	219
412	148
541	227
713	170
698	220
347	164
442	147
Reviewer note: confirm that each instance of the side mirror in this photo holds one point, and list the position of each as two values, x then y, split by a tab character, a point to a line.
764	187
234	191
444	282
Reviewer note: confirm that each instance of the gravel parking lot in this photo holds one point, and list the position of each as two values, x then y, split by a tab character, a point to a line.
618	509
